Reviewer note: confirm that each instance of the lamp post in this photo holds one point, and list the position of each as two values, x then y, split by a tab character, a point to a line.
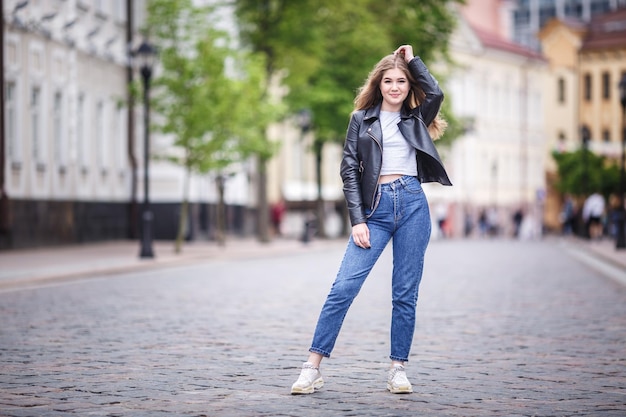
620	240
585	134
145	56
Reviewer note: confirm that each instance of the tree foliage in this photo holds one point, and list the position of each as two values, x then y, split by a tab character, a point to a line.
327	47
323	51
583	172
207	95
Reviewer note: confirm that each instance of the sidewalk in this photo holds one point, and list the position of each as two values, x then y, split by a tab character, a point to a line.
604	250
19	268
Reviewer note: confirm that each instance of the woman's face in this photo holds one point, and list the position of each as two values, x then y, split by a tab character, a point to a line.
394	87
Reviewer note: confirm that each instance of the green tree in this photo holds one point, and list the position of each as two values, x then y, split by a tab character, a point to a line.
280	30
201	103
582	172
326	49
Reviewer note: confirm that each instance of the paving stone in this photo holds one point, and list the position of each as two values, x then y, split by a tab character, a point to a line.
504	328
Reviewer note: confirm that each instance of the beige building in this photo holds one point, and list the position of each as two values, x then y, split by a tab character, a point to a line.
586	62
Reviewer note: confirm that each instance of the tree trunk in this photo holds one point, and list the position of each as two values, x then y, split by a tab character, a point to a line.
182	219
221	212
263	209
321	215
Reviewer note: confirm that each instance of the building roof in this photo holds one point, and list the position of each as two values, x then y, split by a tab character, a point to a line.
495	41
606	31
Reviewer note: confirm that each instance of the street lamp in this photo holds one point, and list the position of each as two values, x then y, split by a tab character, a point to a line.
585	134
145	57
620	241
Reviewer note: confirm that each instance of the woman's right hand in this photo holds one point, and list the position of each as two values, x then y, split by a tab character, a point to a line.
361	235
406	52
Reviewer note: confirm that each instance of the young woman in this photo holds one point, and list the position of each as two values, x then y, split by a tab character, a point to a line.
388	153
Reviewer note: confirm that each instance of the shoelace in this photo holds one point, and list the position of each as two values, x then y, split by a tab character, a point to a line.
395	371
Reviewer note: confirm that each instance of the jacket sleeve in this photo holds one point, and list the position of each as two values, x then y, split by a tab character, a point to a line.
350	171
434	96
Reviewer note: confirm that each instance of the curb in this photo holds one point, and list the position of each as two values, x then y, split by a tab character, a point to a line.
234	250
595	259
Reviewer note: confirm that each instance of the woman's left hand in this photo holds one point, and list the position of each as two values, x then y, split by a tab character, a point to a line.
405	51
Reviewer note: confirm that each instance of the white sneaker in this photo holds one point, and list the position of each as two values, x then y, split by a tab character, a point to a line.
309	380
397	382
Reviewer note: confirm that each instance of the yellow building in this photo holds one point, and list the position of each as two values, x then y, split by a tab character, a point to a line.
587	62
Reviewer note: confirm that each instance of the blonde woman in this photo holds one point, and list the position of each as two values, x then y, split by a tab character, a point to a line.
388	153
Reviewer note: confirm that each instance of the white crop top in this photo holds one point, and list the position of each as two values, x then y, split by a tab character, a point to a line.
398	154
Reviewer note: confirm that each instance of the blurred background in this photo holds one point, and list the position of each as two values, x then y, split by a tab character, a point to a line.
187	120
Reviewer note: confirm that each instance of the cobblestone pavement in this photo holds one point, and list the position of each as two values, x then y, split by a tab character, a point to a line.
505	328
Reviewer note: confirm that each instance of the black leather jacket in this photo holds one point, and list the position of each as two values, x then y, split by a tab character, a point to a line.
363	148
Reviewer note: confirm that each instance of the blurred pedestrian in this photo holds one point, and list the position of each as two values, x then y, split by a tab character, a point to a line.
468	224
483	223
277	214
593	210
441	211
518	217
396	110
493	224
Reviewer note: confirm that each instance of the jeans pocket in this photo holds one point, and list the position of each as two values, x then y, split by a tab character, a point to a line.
413	186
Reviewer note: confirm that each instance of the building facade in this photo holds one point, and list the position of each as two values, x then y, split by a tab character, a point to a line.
587	62
73	144
66	175
496	89
530	16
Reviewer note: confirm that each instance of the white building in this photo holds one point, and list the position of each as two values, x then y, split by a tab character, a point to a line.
73	146
66	168
497	166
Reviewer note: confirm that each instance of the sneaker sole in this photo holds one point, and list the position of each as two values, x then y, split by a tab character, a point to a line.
317	384
401	390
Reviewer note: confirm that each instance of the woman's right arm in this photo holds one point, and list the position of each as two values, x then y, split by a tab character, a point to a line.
351	176
350	171
434	96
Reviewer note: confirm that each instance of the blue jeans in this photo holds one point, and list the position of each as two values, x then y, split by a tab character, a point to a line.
402	214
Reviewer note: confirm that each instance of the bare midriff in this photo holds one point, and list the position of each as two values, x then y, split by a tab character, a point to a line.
383	179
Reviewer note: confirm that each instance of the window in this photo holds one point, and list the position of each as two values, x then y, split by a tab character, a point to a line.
606	136
120	11
561	90
121	140
573	8
57	126
101	143
10	107
606	85
521	17
35	127
600	6
101	9
587	87
547	10
81	140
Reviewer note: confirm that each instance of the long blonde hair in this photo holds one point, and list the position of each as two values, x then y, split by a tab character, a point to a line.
369	94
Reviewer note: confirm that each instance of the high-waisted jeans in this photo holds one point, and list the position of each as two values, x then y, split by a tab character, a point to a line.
402	214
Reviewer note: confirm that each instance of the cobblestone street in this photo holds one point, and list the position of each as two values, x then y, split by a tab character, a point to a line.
505	328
